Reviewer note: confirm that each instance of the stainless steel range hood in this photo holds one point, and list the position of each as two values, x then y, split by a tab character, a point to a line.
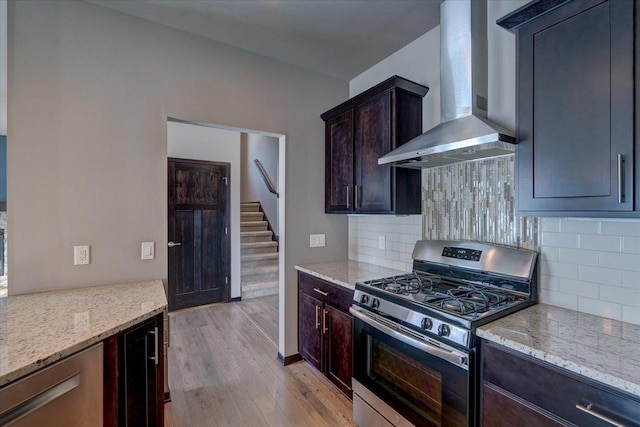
464	132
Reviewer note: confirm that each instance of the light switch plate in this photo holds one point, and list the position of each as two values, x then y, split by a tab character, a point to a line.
148	250
82	255
316	240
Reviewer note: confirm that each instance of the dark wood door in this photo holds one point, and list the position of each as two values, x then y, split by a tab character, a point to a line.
337	346
198	226
373	140
576	109
140	382
309	329
339	163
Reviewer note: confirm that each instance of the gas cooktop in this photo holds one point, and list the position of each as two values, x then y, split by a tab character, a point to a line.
455	286
466	299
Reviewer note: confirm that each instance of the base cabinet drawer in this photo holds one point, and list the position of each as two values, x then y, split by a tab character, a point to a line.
566	398
502	410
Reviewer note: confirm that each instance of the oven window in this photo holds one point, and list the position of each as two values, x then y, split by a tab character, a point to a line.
422	387
413	383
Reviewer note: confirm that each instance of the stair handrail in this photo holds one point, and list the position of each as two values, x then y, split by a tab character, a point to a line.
265	178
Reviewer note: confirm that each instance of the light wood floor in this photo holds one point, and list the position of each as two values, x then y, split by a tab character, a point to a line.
223	371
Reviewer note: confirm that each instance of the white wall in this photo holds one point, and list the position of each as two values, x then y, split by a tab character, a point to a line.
90	90
265	149
187	141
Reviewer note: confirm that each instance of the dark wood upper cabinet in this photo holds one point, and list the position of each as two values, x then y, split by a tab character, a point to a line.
575	108
363	129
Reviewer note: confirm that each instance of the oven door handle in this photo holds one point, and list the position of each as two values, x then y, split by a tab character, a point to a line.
458	359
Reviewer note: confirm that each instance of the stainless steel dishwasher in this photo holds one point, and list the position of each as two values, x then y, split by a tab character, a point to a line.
67	393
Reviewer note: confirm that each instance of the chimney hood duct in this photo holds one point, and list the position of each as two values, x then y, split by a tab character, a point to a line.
464	132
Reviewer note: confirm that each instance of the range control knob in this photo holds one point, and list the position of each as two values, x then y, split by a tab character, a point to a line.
444	330
364	299
427	323
375	303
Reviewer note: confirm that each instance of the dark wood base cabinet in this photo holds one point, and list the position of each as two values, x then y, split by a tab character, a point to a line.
134	376
520	390
325	329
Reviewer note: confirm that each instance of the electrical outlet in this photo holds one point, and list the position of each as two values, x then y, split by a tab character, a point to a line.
316	240
382	244
82	255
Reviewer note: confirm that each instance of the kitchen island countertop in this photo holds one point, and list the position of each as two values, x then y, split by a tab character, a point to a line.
602	349
347	273
39	329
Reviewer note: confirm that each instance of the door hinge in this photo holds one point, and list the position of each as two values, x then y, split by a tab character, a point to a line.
226	180
226	231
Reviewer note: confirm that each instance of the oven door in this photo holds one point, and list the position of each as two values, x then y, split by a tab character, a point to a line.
425	383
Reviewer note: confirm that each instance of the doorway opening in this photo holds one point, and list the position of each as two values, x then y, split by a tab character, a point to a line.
248	189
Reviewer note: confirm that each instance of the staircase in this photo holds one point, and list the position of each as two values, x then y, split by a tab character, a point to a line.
258	253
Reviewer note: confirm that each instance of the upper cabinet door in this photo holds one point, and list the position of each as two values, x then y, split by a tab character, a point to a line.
339	186
576	109
373	140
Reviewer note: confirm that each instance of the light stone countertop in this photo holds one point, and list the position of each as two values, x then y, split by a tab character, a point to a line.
37	330
602	349
347	273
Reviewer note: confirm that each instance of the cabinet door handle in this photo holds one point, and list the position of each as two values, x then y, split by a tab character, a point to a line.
356	196
326	294
155	345
620	178
587	407
325	328
348	197
317	316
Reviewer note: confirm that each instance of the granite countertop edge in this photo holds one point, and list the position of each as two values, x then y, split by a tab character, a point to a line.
347	272
609	379
307	269
31	366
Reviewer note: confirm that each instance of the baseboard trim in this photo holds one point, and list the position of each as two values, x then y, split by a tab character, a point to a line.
236	299
284	361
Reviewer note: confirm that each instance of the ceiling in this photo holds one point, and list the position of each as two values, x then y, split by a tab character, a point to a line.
341	38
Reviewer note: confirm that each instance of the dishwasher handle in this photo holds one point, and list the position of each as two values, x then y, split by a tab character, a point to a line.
39	400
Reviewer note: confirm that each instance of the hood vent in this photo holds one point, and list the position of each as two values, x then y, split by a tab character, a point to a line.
464	132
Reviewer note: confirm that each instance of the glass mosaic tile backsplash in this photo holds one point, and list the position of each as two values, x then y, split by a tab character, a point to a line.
475	201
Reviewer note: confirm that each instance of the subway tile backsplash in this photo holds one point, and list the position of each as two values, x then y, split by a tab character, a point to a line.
589	265
592	265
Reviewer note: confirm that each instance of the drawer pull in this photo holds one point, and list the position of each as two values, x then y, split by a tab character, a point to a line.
317	316
326	294
588	407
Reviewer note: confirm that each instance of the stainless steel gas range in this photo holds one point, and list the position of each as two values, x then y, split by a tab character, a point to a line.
414	334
